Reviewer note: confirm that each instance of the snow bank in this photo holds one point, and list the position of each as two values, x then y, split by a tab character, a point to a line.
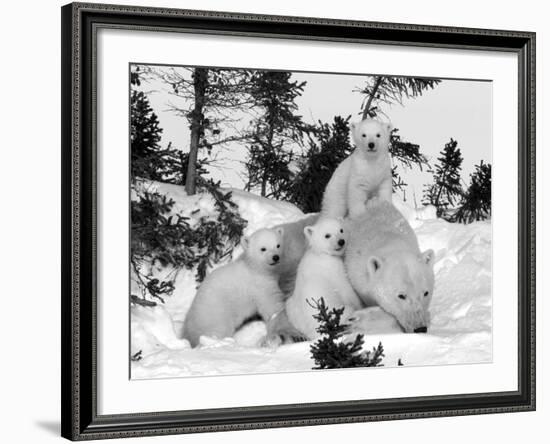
460	331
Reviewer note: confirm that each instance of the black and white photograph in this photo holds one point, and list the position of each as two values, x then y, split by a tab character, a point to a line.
275	222
287	221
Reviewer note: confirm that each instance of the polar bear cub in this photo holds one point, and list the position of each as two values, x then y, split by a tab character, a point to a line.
366	173
321	274
240	290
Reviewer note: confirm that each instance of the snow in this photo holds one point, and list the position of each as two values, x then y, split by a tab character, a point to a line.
461	309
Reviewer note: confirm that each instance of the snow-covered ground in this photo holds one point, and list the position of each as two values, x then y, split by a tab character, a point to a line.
460	330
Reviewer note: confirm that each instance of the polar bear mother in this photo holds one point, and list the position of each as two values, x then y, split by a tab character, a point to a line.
386	267
384	264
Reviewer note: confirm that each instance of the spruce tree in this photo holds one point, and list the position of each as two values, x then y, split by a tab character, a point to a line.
332	351
476	203
408	155
446	191
208	100
329	145
148	159
275	132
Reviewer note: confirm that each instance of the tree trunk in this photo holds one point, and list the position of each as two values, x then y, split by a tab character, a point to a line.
268	148
200	81
183	169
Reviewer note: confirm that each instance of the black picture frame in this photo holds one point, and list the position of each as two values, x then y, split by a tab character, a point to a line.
80	22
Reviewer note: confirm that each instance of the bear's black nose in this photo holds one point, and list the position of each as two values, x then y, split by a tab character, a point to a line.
371	145
421	330
276	257
341	242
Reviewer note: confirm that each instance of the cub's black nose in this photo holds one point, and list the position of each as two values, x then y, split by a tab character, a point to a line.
341	242
421	330
371	145
276	258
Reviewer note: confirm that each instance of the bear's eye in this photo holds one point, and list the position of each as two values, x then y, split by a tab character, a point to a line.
378	135
278	246
327	236
426	293
263	248
363	135
401	296
341	231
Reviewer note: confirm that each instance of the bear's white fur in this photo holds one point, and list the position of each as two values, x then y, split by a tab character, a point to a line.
366	173
372	320
321	274
240	290
387	269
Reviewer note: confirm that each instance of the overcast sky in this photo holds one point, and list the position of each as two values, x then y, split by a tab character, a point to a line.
461	109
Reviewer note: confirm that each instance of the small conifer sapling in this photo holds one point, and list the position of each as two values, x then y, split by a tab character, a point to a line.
332	350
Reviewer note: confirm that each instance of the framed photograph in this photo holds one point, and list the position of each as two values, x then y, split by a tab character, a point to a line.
275	221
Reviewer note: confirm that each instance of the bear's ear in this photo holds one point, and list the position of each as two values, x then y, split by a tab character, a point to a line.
280	231
389	127
308	231
245	242
352	126
428	256
373	264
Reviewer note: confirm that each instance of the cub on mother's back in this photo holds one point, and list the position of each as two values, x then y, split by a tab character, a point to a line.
244	288
365	174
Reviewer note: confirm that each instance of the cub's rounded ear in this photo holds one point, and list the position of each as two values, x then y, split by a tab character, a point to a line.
245	242
373	264
352	126
308	231
280	231
428	256
389	127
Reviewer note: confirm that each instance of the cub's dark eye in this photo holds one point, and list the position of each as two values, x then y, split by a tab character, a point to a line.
426	293
378	135
401	296
341	231
363	135
327	236
263	248
278	246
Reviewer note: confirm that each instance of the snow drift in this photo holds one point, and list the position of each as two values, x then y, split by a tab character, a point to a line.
461	322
